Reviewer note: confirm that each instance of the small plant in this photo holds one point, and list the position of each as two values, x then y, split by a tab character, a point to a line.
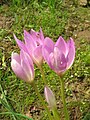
37	49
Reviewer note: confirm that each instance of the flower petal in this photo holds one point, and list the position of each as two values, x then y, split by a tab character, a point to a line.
61	44
16	57
51	61
34	34
22	65
57	61
47	48
20	44
71	53
37	55
18	70
26	56
60	60
27	65
37	36
29	41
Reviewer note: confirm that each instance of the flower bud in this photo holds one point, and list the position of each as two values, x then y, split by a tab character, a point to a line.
50	98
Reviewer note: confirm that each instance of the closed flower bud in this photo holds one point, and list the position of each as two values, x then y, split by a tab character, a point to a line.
50	98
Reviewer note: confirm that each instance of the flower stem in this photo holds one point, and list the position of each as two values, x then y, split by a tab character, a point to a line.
63	100
43	75
55	113
42	101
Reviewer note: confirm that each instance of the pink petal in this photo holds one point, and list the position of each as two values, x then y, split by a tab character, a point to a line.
22	65
16	57
25	56
51	61
16	67
71	53
57	61
29	41
27	64
34	34
60	60
28	70
20	44
61	44
47	48
49	44
37	55
37	36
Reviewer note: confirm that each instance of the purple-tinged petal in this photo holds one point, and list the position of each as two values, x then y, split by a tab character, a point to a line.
71	53
29	41
25	56
27	65
61	44
18	70
60	60
57	61
22	65
37	55
41	40
27	70
49	44
51	61
34	34
37	36
45	53
20	44
47	48
16	57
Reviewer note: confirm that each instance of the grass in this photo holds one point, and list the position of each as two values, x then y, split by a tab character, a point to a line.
55	20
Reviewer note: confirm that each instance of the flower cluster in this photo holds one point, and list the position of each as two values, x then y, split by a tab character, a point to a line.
36	48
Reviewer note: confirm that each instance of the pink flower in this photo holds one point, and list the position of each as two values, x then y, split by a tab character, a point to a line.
60	55
33	45
22	66
50	98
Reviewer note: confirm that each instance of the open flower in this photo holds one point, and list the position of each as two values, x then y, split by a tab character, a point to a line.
60	55
33	45
50	98
22	66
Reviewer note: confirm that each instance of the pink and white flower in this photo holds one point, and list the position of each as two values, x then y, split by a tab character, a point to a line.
60	55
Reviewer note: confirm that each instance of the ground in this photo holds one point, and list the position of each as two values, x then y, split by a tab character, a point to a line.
68	20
